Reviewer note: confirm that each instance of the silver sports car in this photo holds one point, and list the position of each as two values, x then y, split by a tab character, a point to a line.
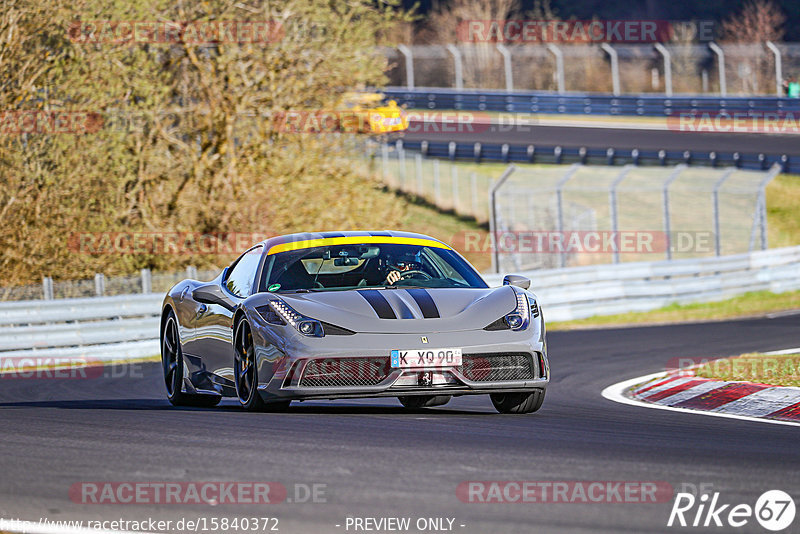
353	314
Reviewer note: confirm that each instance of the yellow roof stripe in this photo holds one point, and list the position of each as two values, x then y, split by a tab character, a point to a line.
355	240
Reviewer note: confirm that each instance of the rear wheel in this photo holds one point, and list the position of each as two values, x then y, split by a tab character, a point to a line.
172	363
245	372
518	402
424	401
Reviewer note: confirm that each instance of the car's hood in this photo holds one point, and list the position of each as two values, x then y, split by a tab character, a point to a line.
412	310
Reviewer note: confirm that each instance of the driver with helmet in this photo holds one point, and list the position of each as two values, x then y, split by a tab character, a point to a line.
405	263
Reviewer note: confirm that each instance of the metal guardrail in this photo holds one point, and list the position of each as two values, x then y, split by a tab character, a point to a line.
584	103
94	328
528	153
702	67
580	292
32	312
128	325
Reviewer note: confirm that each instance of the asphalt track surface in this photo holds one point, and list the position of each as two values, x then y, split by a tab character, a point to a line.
617	138
379	460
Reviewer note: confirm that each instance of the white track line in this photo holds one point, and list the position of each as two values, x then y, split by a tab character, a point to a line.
795	350
615	392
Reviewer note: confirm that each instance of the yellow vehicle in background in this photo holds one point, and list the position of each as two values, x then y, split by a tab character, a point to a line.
377	118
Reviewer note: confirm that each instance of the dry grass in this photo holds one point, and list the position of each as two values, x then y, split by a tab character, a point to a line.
783	211
775	370
749	304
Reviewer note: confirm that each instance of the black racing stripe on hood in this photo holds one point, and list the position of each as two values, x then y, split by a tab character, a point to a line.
425	302
378	303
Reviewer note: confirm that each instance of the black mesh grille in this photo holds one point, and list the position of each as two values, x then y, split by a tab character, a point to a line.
498	366
338	372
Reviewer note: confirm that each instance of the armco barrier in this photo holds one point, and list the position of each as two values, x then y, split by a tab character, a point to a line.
584	103
127	326
509	153
580	292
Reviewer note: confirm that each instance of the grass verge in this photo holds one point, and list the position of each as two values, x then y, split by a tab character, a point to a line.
775	370
748	304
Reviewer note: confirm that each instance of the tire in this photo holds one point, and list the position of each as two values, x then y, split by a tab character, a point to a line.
245	372
172	365
518	403
424	401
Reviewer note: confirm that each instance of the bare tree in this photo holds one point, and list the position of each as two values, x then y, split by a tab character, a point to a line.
745	32
758	21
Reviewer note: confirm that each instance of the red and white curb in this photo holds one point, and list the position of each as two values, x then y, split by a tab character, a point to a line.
683	392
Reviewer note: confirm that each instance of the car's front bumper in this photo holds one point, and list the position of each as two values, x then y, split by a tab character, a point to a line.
283	379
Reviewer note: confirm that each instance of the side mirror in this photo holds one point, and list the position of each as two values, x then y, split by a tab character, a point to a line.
517	280
212	294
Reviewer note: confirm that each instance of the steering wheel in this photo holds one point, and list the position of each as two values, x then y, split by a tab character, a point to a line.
405	274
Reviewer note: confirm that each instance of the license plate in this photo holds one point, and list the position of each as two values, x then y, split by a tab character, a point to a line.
426	358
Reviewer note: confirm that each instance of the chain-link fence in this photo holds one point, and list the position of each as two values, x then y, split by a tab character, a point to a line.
144	282
547	217
457	186
743	69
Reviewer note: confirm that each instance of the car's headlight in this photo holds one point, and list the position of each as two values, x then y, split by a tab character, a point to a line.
526	308
278	312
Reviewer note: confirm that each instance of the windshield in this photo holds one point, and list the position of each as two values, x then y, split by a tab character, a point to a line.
339	267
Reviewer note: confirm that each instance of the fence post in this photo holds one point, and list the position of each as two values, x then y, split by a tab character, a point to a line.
401	160
614	66
437	183
454	184
99	284
715	208
493	215
667	68
406	51
778	68
665	198
559	55
473	177
612	199
560	207
418	171
503	49
762	200
147	281
385	162
47	288
459	68
723	84
191	272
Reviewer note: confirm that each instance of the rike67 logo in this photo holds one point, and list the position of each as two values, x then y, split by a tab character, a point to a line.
774	510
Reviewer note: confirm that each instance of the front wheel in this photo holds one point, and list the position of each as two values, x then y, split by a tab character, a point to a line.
245	372
172	363
518	402
424	401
